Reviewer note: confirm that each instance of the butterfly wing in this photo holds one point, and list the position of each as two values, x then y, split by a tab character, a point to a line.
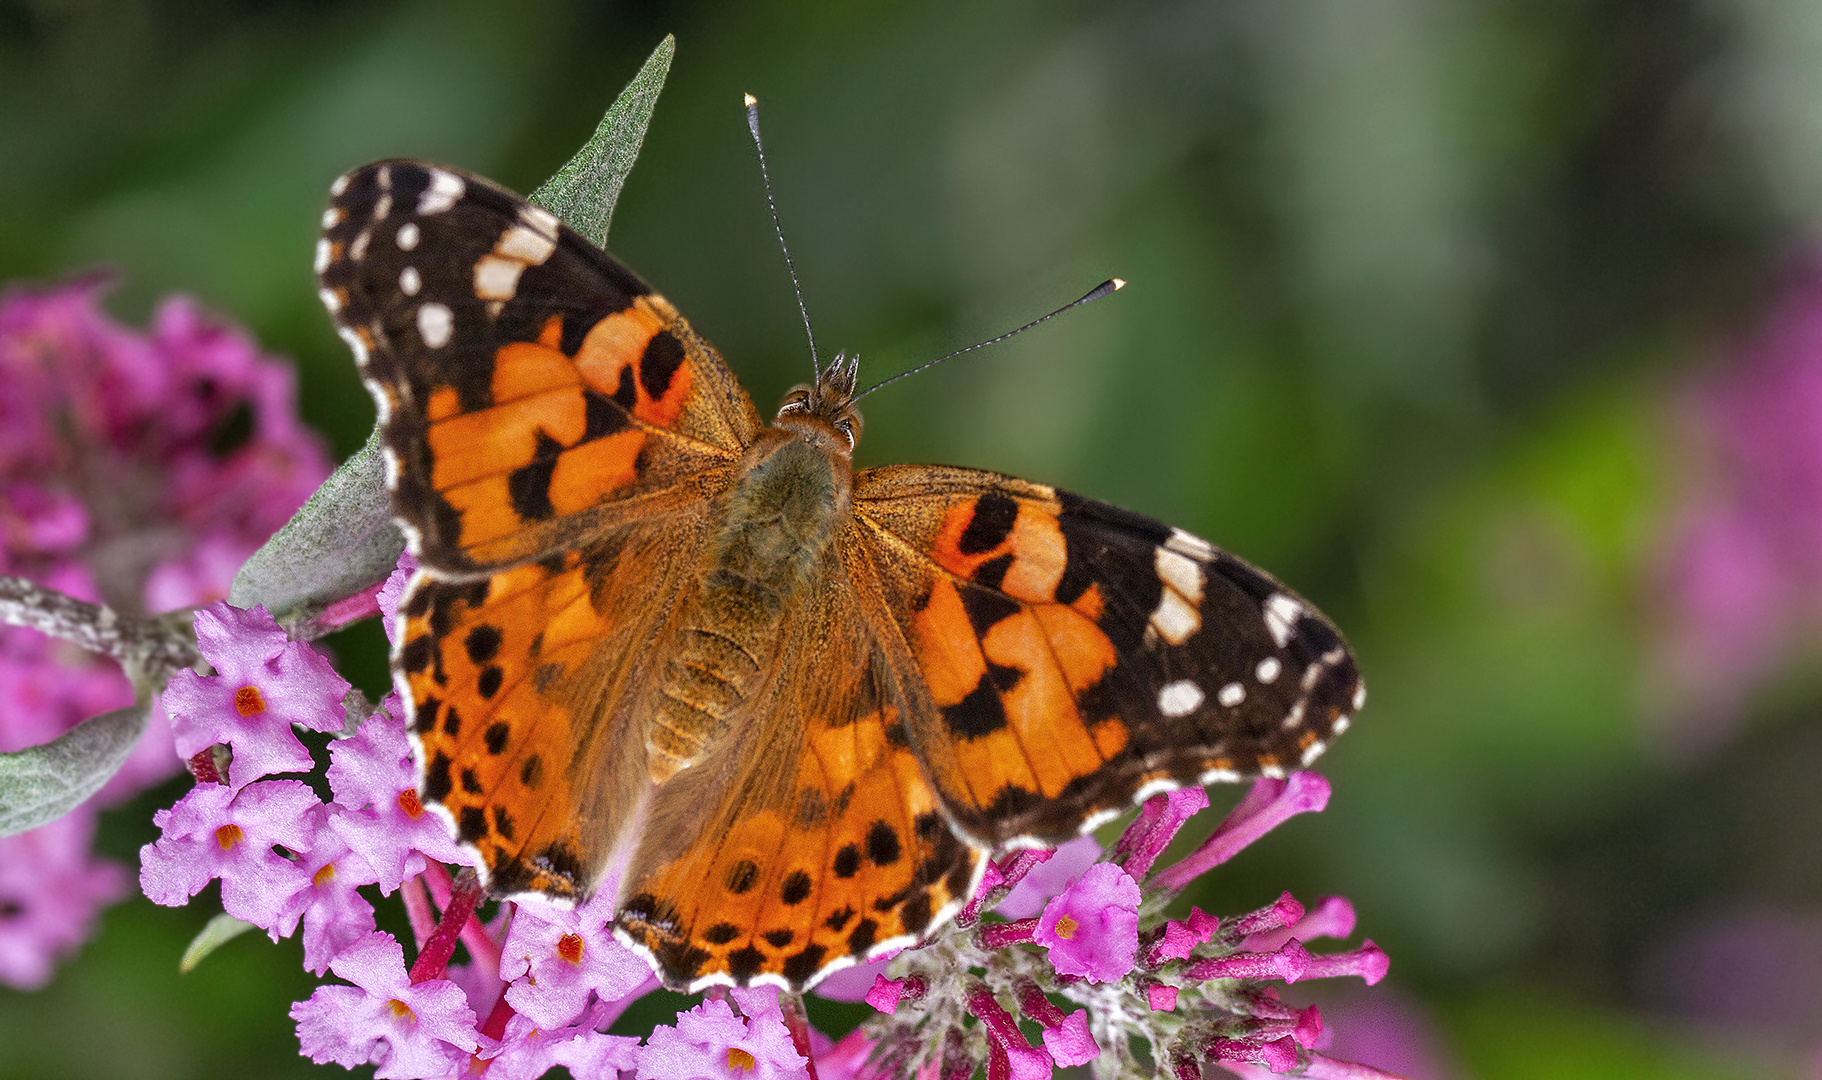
1065	658
527	382
811	840
553	433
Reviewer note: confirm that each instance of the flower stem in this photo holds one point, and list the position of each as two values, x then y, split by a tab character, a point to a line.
433	960
149	649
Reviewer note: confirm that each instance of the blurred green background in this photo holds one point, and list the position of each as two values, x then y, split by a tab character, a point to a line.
1417	288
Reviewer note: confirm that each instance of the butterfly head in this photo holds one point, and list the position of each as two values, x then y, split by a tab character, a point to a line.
827	404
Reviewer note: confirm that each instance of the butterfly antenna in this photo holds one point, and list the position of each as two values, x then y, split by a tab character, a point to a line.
1111	285
752	104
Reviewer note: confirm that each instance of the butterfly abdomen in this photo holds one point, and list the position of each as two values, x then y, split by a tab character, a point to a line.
771	530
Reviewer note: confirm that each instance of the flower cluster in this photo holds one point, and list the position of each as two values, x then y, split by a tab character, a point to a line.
541	984
139	470
1744	574
1193	991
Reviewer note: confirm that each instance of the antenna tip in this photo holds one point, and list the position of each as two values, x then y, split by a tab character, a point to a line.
1118	284
750	100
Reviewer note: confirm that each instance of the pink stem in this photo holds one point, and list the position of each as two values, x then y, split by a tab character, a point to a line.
417	908
791	1005
433	959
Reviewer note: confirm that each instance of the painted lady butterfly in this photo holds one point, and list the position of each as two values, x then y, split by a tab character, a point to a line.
789	707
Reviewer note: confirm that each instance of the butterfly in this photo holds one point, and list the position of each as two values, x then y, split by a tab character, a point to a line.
788	709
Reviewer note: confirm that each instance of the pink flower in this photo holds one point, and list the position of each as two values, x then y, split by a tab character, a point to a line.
265	684
409	1030
528	1051
217	832
1092	929
50	890
711	1042
555	958
376	809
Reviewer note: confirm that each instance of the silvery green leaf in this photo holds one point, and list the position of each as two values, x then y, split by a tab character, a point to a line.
40	784
583	192
342	541
220	930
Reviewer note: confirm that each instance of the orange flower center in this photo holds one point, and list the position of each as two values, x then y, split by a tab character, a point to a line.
740	1059
1066	927
247	701
569	947
324	876
408	802
401	1010
228	835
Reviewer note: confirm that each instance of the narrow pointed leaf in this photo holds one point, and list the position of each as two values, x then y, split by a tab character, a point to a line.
220	930
42	783
342	541
583	192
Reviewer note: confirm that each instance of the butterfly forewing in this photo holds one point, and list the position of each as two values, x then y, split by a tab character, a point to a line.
1078	656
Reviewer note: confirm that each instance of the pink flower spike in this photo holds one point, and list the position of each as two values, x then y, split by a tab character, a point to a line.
554	957
1281	912
216	832
1181	938
1162	997
1156	826
1369	962
1278	1055
265	684
51	887
1332	917
1322	1068
1092	929
1000	935
1069	1042
1269	804
885	994
1289	963
408	1029
999	878
1015	1058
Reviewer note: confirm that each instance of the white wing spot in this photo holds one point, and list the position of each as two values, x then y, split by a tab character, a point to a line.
445	188
1359	696
1281	615
497	278
358	250
1230	695
409	281
354	342
332	217
435	324
1180	573
322	254
331	300
407	236
525	245
1268	670
540	219
339	185
1175	620
1179	698
1193	546
1341	724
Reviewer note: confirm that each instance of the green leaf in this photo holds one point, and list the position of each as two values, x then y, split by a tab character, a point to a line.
221	929
42	783
583	192
341	542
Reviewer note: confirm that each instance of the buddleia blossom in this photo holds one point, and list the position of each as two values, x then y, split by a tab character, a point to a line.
1080	949
1743	574
137	469
1102	972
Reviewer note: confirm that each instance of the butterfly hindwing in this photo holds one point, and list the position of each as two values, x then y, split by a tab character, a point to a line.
1077	656
526	380
815	842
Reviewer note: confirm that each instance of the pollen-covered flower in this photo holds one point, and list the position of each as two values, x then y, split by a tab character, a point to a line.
409	1030
713	1042
556	957
1104	974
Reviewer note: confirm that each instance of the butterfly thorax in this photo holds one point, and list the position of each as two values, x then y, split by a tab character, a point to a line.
771	533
